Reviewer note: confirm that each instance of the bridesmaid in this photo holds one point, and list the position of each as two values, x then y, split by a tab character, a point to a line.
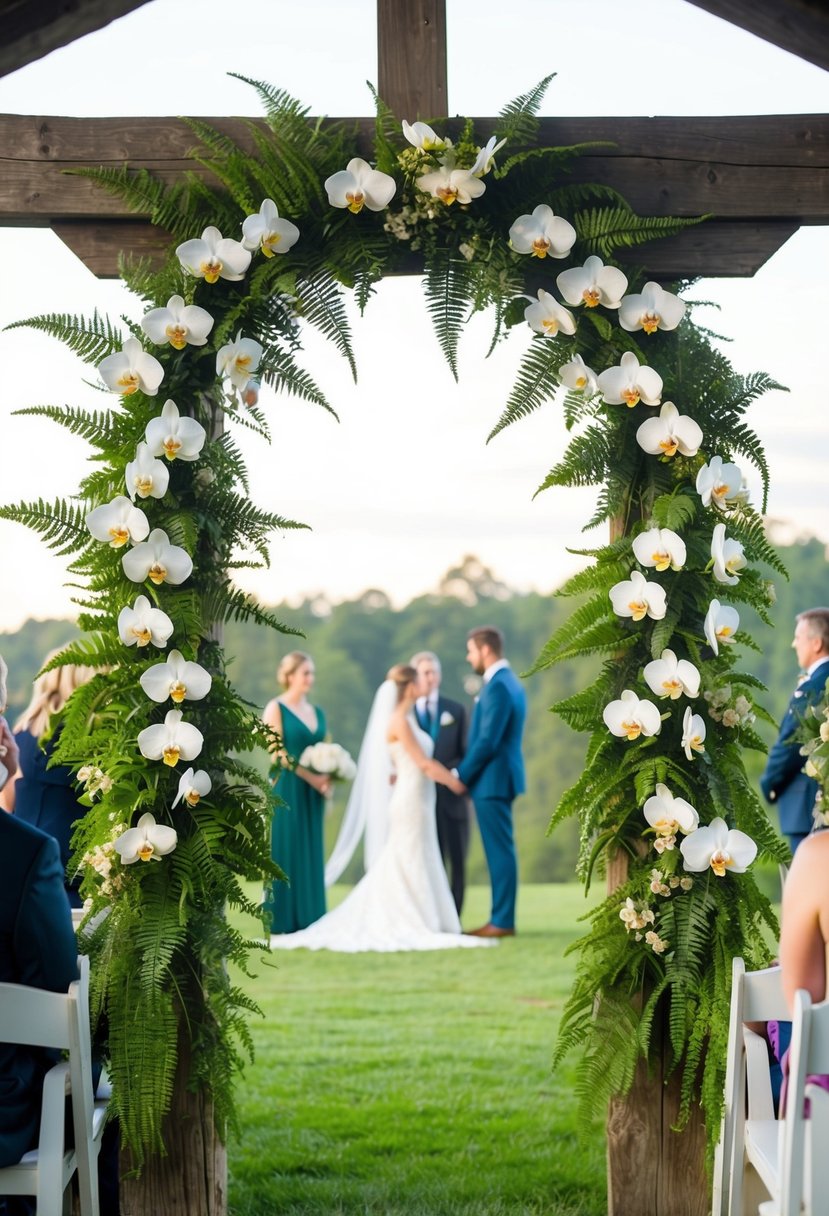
297	827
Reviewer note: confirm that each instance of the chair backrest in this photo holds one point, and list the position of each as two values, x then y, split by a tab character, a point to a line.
809	1055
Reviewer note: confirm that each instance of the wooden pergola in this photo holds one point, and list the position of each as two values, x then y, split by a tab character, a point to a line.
759	178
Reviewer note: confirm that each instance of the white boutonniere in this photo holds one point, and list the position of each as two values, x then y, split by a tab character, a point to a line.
446	718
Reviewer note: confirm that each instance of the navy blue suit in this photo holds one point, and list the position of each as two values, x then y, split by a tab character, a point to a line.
493	770
451	810
46	798
37	947
783	782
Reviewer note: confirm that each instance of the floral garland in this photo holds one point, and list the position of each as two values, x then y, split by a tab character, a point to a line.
222	318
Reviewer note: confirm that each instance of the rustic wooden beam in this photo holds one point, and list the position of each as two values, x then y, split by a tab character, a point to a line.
33	28
761	177
799	26
411	57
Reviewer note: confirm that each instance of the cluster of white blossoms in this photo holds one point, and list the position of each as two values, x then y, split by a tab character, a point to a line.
330	759
724	707
94	779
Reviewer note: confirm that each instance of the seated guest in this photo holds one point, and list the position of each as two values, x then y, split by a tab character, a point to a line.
805	921
38	794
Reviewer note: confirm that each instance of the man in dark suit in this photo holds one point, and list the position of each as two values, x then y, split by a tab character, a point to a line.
37	947
445	721
784	782
493	770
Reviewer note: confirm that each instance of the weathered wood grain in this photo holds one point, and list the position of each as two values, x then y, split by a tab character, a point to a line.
411	57
799	26
33	28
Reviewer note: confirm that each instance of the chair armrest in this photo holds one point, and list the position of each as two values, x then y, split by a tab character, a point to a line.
758	1076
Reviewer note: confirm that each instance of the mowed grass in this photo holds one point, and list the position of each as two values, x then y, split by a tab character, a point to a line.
420	1083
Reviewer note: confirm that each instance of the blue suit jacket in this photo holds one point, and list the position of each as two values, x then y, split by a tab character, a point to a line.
783	782
493	766
37	947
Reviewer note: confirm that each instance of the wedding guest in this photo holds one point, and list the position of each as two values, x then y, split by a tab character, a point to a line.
41	795
783	782
445	721
299	805
9	756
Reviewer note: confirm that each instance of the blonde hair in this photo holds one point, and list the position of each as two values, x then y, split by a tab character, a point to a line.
50	692
4	675
289	664
402	674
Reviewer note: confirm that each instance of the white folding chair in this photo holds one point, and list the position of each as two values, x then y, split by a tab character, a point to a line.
801	1183
33	1017
749	1128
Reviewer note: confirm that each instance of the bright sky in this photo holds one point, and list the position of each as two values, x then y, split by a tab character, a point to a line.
405	484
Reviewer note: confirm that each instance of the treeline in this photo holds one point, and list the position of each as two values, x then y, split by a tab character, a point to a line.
354	643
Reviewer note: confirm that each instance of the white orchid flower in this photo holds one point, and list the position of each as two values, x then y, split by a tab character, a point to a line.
212	257
171	740
157	560
630	382
175	437
131	370
667	815
654	309
118	522
176	678
358	186
147	841
421	136
729	557
637	598
451	185
238	360
669	676
546	316
542	234
142	624
670	433
179	324
146	476
486	157
716	847
593	284
578	377
266	231
693	733
628	718
721	625
192	787
719	482
660	548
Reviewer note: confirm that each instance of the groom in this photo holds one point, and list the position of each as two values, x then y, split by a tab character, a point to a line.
493	770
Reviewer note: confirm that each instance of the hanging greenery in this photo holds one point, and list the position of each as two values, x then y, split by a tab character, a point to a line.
271	241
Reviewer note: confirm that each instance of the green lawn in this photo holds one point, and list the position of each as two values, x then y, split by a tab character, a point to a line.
418	1083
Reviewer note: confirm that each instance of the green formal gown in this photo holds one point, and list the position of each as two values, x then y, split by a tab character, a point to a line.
297	835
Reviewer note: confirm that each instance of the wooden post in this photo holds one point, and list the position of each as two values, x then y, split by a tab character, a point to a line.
411	57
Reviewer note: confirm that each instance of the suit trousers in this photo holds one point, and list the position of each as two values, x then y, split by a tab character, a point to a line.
453	838
495	823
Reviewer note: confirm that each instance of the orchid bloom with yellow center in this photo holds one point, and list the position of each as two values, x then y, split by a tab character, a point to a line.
546	316
451	185
131	370
693	734
175	437
668	815
653	309
239	360
179	324
727	555
192	787
719	849
628	718
660	549
637	598
578	377
486	157
266	231
721	625
146	476
670	433
177	679
630	382
421	136
158	560
142	624
358	186
212	257
147	841
118	522
542	234
592	284
720	483
171	740
670	677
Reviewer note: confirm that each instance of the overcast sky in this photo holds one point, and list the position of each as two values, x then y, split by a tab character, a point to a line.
405	484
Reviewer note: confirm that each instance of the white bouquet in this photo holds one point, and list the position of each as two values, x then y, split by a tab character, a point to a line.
329	759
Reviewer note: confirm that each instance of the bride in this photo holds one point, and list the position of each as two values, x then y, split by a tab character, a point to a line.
403	902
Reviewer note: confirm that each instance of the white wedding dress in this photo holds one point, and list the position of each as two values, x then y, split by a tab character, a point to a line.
403	902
